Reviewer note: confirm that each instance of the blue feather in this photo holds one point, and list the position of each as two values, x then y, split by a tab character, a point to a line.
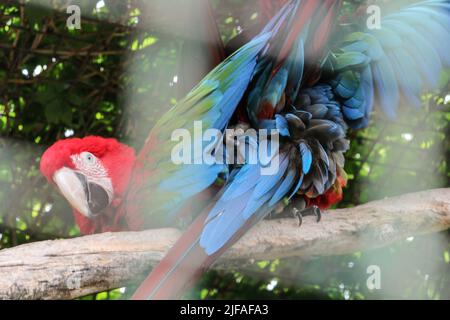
226	220
346	85
267	183
407	76
297	187
407	55
415	47
240	182
438	38
306	155
275	88
369	95
352	113
388	93
245	60
284	188
296	72
282	125
191	179
227	217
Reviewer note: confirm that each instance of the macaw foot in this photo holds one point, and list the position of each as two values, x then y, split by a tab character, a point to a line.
311	211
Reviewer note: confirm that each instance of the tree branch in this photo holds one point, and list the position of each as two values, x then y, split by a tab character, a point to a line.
72	268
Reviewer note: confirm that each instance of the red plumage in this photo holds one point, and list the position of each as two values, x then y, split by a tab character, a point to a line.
331	196
117	158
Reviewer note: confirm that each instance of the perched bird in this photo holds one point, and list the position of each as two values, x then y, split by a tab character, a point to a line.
302	77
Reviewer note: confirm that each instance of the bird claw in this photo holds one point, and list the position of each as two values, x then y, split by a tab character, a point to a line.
318	213
299	214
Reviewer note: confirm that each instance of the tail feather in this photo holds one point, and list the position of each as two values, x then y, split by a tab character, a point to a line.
185	262
181	266
214	231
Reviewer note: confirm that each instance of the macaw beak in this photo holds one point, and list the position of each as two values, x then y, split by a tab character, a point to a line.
88	198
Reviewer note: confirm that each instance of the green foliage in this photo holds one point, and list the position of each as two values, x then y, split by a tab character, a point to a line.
122	70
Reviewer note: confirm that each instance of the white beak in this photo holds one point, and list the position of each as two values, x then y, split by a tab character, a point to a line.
72	189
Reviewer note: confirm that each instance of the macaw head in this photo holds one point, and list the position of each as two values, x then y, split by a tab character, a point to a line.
91	173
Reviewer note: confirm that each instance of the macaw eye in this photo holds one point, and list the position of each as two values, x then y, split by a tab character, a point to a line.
88	157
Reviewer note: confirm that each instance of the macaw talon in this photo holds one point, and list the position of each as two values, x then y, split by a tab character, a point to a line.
318	213
311	211
298	214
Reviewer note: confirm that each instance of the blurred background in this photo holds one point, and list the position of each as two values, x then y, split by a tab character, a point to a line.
131	61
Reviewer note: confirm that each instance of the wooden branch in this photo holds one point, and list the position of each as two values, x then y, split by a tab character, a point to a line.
71	268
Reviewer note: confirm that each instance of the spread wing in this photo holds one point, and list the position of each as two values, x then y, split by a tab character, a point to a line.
159	185
397	61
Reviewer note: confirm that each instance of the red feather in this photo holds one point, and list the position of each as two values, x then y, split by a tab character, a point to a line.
331	196
323	15
117	158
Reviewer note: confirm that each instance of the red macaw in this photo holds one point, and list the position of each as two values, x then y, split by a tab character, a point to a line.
286	79
116	216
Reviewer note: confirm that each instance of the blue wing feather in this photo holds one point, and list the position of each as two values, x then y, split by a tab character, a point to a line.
406	56
386	82
227	217
306	156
